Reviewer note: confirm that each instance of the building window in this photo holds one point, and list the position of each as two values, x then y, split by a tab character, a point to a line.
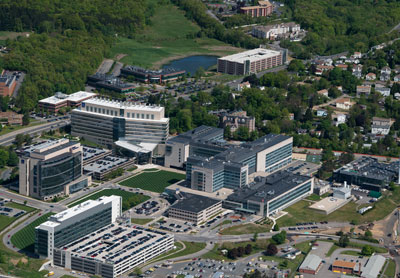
95	109
133	115
152	116
147	116
104	111
142	116
91	108
128	114
108	112
137	115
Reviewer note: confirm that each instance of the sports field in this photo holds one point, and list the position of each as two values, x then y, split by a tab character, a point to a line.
129	199
25	238
153	181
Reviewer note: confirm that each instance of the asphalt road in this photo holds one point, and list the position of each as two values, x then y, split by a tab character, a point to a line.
7	139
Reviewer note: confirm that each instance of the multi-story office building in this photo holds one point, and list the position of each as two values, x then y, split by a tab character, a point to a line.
135	127
51	168
102	167
153	76
272	32
251	61
59	100
264	8
113	250
7	84
109	82
195	209
231	166
177	148
270	194
67	226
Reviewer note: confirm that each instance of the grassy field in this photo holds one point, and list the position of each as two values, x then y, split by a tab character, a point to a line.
19	206
351	253
391	269
245	229
138	198
141	221
7	129
191	247
153	181
25	238
300	212
215	253
352	245
5	221
170	36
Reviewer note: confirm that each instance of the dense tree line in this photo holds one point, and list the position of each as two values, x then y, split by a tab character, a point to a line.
342	25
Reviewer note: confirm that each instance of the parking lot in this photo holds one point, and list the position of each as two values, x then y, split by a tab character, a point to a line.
10	212
174	225
206	268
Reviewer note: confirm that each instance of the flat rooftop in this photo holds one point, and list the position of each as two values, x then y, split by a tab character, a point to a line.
194	203
59	97
89	152
164	71
328	204
48	147
268	188
251	55
60	217
202	133
123	105
220	194
370	167
115	243
106	163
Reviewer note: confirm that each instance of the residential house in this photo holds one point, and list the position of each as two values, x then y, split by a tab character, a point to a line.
235	120
381	126
385	74
343	67
338	118
344	103
357	71
291	116
244	85
322	68
363	89
397	78
322	113
384	91
370	76
357	55
323	92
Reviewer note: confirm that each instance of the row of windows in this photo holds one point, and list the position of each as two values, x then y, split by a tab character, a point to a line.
277	155
285	199
115	113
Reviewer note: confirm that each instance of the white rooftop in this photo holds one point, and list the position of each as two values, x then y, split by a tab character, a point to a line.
60	217
59	97
373	266
252	55
123	105
137	148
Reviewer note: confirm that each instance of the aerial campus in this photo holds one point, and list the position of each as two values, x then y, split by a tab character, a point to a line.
200	139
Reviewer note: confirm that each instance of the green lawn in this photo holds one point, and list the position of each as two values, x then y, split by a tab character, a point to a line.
129	199
170	35
351	253
7	129
300	212
313	197
391	269
5	221
191	247
19	206
154	181
245	229
141	221
25	238
215	253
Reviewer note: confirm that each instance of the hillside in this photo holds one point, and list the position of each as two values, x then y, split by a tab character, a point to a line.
341	25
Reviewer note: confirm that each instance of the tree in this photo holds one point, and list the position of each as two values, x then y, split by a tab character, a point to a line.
343	241
233	253
19	140
276	227
367	250
12	159
25	119
368	234
279	238
227	132
241	251
248	249
255	236
3	157
137	272
271	250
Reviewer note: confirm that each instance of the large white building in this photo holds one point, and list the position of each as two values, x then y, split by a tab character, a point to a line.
251	61
272	32
76	222
134	127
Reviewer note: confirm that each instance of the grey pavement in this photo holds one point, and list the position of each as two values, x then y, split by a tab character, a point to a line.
105	66
117	69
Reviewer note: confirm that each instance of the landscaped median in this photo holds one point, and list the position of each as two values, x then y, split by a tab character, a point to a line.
155	181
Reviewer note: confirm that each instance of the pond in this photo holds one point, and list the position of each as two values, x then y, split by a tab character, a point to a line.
192	63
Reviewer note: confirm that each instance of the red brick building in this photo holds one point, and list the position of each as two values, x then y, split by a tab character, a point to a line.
264	8
7	84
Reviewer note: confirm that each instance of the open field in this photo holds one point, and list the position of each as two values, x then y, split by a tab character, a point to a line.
25	238
170	36
5	221
190	248
141	221
245	229
129	199
153	181
300	212
391	269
